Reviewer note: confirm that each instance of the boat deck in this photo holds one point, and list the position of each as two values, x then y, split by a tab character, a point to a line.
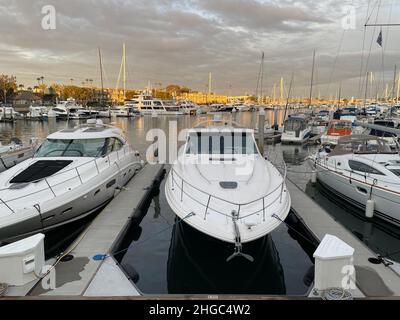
83	275
373	280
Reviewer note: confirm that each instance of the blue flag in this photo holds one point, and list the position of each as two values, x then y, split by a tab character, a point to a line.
380	40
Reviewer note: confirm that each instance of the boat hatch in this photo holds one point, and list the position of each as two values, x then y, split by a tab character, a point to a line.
40	169
228	184
95	129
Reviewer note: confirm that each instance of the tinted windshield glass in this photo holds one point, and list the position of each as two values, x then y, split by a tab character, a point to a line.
73	148
294	125
221	143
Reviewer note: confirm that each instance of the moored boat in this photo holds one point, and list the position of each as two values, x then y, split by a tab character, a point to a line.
222	186
295	130
75	172
364	171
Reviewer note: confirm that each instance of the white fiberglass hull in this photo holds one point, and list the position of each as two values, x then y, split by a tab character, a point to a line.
209	210
292	137
357	190
161	112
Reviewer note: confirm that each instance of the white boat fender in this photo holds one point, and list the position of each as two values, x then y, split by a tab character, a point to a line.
313	176
369	208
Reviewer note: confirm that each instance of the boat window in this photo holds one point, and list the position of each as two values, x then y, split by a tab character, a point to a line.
294	125
221	143
380	133
341	125
395	171
72	148
362	167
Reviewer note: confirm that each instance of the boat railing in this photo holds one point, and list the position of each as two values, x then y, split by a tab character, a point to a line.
184	186
74	174
368	179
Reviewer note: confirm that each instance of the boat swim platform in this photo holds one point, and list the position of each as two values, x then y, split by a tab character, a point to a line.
373	280
84	276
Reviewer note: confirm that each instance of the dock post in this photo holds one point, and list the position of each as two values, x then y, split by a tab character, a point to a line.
261	122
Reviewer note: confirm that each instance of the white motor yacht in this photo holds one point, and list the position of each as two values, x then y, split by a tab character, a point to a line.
147	105
295	130
69	110
222	186
364	171
37	113
125	111
75	172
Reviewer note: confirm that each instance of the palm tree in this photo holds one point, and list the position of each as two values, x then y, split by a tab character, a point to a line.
42	78
38	80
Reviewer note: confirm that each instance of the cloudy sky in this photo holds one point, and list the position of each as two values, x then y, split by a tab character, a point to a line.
181	41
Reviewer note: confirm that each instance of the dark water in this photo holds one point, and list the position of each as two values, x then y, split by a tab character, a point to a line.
168	258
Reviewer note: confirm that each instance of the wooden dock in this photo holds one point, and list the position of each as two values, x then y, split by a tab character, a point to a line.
85	276
373	280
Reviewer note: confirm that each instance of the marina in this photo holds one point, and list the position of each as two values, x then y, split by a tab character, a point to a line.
118	249
200	158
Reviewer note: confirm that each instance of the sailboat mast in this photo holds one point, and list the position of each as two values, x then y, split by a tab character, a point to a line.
398	88
394	83
124	59
312	80
101	77
262	76
366	91
209	83
288	97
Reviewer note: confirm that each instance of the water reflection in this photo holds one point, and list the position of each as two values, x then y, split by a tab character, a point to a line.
380	236
294	155
197	264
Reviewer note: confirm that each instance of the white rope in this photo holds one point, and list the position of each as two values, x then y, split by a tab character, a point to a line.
336	294
3	289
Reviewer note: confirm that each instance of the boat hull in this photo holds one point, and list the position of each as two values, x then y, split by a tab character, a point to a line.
292	137
357	192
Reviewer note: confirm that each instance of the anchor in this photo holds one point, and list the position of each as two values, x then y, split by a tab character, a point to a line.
238	241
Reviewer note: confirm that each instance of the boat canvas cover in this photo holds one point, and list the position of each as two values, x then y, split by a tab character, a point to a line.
361	144
40	170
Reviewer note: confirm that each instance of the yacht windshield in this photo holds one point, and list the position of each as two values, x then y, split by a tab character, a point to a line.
73	148
294	125
221	143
